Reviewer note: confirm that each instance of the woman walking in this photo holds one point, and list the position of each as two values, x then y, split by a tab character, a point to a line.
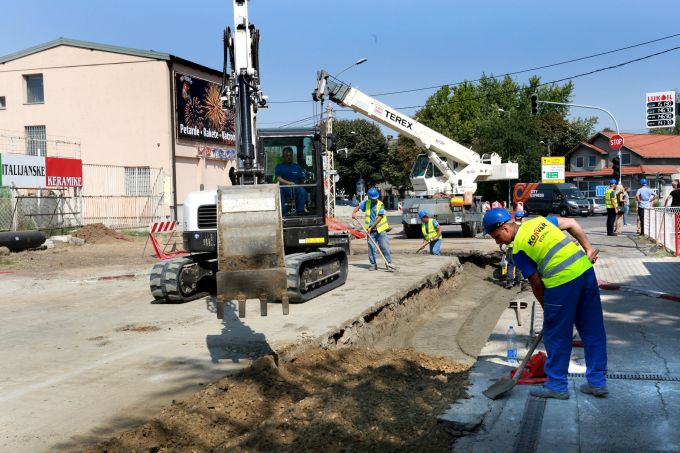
619	215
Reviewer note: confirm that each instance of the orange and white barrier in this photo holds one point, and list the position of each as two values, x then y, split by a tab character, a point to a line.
163	227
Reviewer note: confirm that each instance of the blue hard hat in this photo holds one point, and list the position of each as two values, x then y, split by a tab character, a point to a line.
519	214
613	181
494	218
643	181
373	193
422	214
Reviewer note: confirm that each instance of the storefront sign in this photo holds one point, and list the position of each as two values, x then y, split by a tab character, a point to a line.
20	170
199	112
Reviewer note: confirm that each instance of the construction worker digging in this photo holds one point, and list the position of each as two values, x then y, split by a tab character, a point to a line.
563	280
432	233
375	224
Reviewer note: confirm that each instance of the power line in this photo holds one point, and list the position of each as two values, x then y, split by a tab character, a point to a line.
510	73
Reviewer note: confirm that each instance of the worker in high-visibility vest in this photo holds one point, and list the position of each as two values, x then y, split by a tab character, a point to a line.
375	223
432	233
563	281
612	207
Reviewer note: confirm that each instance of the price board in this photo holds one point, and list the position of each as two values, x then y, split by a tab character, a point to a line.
660	109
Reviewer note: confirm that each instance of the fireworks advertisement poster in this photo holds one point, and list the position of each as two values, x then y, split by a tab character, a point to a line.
199	112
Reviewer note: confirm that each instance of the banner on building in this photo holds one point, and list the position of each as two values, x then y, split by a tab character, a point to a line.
199	112
20	170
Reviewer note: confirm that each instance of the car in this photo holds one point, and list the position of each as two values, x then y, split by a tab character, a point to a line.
597	206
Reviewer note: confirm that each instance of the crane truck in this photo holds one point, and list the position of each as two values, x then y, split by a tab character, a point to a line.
444	178
256	238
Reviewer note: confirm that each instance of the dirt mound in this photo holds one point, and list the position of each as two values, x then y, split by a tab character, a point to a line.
97	233
344	400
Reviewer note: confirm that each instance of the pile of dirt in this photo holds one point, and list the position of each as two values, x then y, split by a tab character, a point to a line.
342	400
97	233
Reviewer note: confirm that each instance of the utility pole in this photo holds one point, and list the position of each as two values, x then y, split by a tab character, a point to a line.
329	168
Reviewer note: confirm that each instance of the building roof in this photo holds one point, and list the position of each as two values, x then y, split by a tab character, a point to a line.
629	170
103	48
650	146
593	147
85	45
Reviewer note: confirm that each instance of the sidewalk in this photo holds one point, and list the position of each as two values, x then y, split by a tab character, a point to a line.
640	413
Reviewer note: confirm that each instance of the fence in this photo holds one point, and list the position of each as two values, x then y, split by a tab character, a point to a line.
662	225
118	197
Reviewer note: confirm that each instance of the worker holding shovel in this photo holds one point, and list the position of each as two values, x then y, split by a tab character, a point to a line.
375	224
432	233
563	280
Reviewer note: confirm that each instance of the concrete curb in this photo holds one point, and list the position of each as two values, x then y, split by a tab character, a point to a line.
633	289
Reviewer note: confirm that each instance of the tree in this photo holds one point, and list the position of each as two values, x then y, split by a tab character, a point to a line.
366	154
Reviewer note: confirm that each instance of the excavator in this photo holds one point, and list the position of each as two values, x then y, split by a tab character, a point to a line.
264	236
444	178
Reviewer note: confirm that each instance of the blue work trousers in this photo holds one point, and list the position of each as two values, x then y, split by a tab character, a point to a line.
299	197
384	244
575	302
435	247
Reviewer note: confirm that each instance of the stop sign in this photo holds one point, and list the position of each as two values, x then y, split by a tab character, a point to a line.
616	142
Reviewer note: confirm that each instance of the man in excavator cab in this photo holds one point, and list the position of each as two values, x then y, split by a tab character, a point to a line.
290	173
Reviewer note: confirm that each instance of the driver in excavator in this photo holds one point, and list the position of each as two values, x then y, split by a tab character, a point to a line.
290	173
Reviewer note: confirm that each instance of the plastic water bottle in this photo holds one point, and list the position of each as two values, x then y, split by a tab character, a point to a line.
504	265
512	345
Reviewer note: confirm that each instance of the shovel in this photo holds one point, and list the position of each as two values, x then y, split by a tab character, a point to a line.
505	386
388	266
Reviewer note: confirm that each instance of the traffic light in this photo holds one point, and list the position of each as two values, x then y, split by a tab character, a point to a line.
534	104
616	167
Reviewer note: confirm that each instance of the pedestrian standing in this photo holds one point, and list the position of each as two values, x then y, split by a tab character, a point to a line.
432	233
563	281
644	197
619	212
514	276
612	208
626	204
375	223
674	196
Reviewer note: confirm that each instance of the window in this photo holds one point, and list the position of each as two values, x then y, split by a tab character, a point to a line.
592	161
579	161
137	181
3	104
35	94
36	140
625	158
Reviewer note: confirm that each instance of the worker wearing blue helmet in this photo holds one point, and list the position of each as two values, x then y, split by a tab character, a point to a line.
645	197
375	223
612	207
563	281
432	233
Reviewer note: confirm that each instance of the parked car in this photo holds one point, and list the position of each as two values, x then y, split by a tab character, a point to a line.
597	206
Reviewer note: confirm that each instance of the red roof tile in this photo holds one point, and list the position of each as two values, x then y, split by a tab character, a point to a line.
593	147
639	169
650	146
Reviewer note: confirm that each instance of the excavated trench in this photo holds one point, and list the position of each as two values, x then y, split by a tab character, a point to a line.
377	384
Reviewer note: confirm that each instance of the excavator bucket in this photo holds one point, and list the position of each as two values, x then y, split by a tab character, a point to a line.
250	253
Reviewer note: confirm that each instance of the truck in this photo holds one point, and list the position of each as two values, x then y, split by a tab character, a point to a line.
258	238
545	198
444	178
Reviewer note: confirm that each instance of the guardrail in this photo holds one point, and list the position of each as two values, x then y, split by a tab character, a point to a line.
662	225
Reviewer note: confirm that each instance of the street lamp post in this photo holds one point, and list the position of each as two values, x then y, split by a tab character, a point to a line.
329	176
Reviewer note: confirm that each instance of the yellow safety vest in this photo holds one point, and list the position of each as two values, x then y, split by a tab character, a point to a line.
429	231
382	225
557	258
608	199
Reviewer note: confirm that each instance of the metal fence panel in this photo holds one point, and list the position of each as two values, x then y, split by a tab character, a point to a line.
662	225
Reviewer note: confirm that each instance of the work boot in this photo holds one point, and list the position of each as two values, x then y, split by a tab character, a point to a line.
372	267
599	392
545	392
508	285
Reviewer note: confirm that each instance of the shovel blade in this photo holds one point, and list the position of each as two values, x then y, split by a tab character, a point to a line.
499	389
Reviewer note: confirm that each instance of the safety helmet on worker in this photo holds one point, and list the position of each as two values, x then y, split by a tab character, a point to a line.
613	181
519	214
643	181
422	213
373	193
494	218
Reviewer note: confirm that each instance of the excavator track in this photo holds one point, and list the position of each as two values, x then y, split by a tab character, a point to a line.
313	273
178	280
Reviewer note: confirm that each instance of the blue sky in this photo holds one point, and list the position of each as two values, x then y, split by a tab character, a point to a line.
409	44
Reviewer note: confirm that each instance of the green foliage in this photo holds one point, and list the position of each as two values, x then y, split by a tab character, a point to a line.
668	130
366	157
